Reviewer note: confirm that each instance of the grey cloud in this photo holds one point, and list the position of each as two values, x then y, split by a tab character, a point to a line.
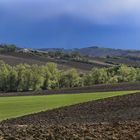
99	11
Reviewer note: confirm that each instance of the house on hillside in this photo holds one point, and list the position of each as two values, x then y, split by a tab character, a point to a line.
24	50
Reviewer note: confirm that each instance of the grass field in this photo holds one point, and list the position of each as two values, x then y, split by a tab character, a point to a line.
21	105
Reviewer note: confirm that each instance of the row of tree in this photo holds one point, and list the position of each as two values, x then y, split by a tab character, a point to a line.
75	56
25	77
4	48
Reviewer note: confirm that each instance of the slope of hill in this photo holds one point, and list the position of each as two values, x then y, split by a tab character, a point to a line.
100	56
13	56
95	51
103	52
83	59
17	58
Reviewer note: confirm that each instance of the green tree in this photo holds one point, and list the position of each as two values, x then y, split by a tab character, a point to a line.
96	76
12	79
4	72
126	74
50	75
24	77
36	77
69	78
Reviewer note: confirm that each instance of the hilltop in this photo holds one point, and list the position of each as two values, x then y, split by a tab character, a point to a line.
96	51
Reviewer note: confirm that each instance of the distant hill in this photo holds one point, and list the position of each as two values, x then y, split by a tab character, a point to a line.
12	55
83	59
98	51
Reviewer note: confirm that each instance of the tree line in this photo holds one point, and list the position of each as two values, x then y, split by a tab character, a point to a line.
4	48
24	77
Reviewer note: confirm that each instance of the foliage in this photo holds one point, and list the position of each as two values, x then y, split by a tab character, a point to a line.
69	79
25	77
7	48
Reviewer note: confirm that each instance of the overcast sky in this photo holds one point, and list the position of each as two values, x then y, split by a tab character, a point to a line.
70	24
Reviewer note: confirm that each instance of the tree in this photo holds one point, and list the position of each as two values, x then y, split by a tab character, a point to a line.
36	77
113	80
126	74
138	74
88	80
12	80
69	78
4	72
96	76
24	77
7	48
50	74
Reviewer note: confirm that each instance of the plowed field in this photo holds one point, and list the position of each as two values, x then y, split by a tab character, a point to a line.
112	118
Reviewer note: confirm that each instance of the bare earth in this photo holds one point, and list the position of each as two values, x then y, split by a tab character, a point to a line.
113	118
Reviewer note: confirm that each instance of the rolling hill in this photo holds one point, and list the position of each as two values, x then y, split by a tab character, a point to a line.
95	51
13	56
87	59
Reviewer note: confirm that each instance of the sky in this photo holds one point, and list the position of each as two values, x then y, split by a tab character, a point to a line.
70	23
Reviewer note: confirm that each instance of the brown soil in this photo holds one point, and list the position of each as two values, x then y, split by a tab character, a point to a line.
101	131
110	119
95	88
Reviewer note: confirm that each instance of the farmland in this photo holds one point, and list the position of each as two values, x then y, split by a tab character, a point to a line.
18	58
49	103
112	118
19	106
97	112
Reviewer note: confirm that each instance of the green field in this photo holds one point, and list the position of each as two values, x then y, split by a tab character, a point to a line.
21	105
